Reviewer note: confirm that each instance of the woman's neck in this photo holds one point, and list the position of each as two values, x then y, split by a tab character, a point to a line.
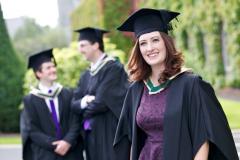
156	72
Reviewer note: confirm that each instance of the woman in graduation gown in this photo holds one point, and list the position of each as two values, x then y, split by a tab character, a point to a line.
169	112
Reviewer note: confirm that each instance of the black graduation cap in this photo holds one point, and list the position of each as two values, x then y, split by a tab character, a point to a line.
35	60
147	20
91	34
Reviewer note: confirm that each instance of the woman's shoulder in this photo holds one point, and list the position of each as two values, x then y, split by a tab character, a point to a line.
189	77
193	80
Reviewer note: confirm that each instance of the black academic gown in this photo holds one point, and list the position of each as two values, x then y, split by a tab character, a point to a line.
38	130
193	115
109	87
24	131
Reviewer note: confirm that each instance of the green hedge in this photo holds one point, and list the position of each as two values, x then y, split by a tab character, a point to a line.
115	12
11	79
88	13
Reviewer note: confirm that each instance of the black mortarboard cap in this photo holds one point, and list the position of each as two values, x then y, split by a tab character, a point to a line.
91	34
147	20
39	58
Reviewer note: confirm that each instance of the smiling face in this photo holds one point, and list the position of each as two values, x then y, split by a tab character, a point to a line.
153	49
47	72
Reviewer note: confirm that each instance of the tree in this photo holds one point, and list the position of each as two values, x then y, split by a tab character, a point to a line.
88	13
11	81
32	37
115	12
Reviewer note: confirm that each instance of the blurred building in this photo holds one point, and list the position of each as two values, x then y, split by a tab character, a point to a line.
13	24
65	8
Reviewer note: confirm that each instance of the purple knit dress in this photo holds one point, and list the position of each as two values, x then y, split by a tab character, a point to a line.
149	118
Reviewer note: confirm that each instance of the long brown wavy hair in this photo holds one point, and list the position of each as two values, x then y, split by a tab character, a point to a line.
139	70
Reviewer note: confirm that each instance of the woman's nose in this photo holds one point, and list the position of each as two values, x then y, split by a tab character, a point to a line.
149	47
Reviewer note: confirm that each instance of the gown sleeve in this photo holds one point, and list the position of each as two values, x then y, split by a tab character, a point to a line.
207	122
79	93
110	93
24	130
123	136
124	130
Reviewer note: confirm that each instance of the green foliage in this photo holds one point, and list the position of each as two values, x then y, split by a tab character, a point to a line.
115	12
11	71
112	50
198	35
231	10
70	65
88	13
32	37
29	29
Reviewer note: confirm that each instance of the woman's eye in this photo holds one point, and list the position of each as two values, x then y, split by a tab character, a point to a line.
142	43
156	40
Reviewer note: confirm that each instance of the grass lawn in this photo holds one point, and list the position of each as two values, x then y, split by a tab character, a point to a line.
232	111
10	139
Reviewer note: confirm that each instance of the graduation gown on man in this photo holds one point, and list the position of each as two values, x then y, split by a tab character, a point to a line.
38	130
193	115
24	130
109	86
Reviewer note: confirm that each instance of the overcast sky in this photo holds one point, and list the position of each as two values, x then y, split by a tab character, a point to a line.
44	11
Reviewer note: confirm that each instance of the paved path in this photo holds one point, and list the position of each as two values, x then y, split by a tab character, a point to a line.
236	136
10	152
13	152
